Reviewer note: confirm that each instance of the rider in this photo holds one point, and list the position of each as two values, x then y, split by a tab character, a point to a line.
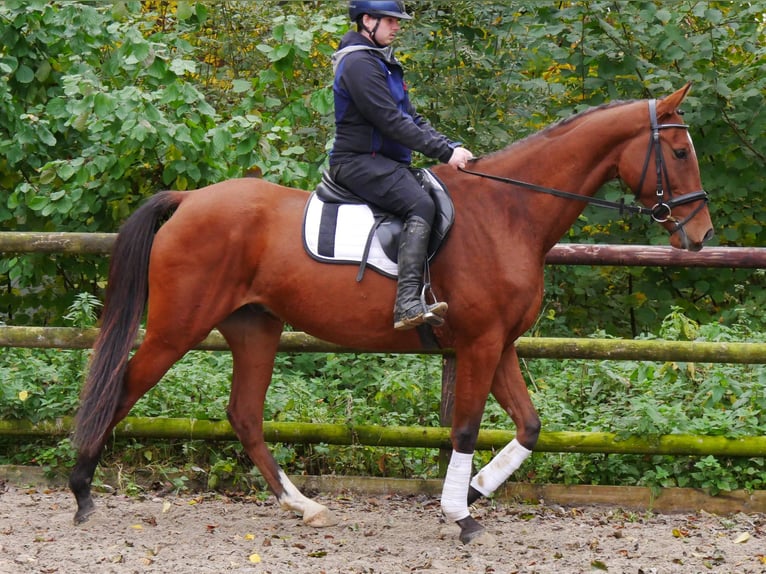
376	129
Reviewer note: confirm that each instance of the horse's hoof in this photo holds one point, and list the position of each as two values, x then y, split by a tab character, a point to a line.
483	539
319	517
84	512
470	529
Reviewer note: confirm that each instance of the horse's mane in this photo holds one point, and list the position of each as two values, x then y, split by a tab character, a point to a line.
563	123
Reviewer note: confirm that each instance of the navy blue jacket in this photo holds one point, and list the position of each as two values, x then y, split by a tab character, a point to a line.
373	113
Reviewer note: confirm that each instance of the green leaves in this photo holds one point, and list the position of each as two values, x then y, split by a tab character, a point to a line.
101	106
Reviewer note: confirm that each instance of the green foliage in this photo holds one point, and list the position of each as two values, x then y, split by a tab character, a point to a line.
102	105
99	109
629	398
634	398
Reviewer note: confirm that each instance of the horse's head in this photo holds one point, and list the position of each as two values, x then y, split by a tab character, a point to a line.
664	174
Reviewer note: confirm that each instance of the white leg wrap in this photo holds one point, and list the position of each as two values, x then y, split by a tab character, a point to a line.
455	489
505	463
293	499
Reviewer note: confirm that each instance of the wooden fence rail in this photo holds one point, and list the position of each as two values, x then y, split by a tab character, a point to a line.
410	437
527	347
561	254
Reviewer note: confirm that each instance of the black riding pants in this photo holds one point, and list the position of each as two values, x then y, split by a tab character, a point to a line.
387	184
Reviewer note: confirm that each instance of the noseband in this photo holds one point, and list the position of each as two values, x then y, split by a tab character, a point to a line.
661	212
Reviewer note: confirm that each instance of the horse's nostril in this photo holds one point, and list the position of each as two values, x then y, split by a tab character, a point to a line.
709	235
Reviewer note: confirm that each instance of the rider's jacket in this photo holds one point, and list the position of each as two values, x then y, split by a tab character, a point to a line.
373	113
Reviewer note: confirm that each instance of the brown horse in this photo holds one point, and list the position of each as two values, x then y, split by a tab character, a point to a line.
231	257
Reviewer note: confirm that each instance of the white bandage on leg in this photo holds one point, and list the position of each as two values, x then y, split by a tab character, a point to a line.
455	489
505	463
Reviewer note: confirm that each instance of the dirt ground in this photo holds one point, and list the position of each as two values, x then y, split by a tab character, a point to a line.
379	534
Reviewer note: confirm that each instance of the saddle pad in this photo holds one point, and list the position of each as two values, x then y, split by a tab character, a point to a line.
338	233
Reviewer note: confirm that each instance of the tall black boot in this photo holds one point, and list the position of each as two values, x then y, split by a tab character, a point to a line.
410	311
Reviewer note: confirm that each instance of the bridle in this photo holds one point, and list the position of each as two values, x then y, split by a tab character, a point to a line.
661	212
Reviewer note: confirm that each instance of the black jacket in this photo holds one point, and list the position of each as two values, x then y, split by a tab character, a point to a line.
373	113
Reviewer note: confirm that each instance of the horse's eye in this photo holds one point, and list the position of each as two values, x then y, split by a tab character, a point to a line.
680	153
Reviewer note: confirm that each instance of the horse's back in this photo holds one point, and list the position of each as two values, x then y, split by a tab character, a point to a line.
237	199
231	209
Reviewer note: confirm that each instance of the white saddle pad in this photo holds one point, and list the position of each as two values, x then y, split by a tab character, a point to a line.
346	244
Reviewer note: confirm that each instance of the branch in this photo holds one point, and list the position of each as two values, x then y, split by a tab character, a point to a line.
741	136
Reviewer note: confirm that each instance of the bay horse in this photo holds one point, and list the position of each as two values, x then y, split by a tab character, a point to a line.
230	256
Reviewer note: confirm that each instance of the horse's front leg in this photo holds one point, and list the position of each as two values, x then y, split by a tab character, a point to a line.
510	390
475	370
253	337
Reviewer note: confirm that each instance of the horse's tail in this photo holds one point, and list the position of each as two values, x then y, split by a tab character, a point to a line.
126	296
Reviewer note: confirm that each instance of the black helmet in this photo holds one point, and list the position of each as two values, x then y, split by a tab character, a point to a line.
379	9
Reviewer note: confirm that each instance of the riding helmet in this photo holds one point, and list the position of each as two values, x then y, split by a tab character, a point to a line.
377	9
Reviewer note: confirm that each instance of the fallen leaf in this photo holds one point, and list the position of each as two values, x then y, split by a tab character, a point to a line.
744	537
166	506
249	536
598	565
137	527
255	558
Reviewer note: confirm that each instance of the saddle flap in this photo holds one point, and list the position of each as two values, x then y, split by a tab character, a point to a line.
445	209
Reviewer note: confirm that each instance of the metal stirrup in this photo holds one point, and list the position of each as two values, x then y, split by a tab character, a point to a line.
429	316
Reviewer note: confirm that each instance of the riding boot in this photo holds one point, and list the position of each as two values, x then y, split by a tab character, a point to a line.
410	309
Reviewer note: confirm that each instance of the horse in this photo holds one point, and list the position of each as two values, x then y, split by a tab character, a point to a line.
230	256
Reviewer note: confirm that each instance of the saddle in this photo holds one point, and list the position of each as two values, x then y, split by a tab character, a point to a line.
339	227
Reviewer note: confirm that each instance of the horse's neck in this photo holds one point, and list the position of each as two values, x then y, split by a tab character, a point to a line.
565	162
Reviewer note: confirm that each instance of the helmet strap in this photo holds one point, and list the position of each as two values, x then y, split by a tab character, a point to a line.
373	31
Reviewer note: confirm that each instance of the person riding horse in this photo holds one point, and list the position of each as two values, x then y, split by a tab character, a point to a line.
376	130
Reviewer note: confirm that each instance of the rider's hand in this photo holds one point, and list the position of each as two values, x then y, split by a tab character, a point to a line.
460	157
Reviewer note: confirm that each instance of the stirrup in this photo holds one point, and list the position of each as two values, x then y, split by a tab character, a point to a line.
428	315
433	313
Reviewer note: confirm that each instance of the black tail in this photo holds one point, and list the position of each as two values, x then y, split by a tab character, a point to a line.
126	296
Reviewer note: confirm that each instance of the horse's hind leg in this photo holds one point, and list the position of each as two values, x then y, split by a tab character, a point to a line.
150	362
253	336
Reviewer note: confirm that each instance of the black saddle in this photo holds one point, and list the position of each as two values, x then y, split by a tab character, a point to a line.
388	227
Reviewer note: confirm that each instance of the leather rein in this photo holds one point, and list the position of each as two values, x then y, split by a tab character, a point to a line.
660	212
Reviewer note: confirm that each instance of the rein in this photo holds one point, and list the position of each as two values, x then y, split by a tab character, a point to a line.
660	212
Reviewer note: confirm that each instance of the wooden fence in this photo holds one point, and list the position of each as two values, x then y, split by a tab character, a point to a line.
568	254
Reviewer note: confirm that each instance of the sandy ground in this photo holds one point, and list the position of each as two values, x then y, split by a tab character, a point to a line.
201	533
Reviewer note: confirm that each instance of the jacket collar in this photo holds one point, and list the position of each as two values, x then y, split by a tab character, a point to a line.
355	42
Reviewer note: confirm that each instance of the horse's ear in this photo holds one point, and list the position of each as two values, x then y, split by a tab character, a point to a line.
668	106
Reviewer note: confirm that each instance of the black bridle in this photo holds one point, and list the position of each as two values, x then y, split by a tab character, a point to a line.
660	212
